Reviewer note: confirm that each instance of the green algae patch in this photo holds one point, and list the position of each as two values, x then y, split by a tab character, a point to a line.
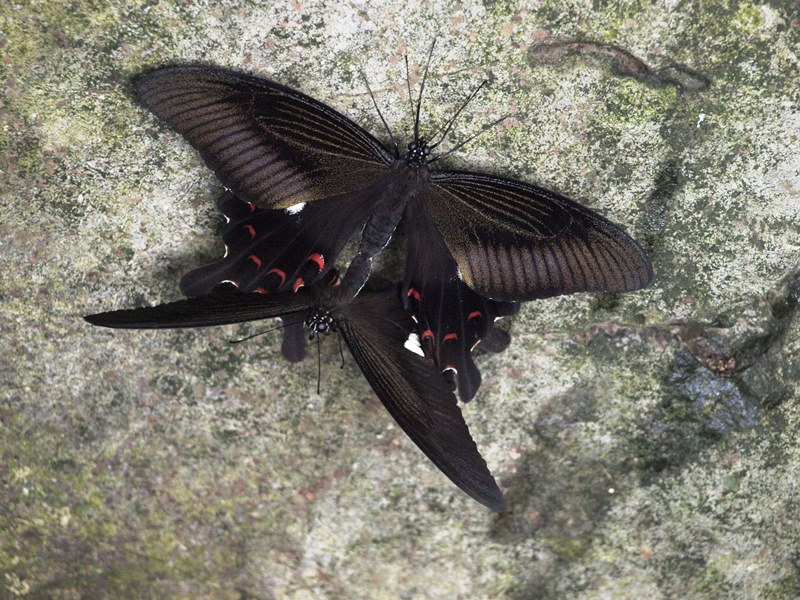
57	502
567	548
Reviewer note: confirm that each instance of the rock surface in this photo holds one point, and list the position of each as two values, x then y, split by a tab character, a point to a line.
648	444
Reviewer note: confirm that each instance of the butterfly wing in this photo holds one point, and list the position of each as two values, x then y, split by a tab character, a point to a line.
278	250
269	144
217	308
516	241
375	328
452	318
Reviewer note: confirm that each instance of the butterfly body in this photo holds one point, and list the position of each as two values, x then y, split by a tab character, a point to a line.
408	179
275	147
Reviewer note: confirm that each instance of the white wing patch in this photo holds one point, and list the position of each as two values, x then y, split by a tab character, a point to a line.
295	208
412	344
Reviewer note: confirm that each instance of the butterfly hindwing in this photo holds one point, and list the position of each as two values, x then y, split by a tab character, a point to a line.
515	241
375	328
278	250
271	145
452	319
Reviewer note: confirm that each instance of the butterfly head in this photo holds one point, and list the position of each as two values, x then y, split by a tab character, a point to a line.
418	152
320	322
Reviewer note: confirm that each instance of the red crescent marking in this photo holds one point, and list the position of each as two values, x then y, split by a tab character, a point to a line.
252	207
280	274
450	336
256	260
473	314
261	290
298	284
426	334
251	229
413	294
317	258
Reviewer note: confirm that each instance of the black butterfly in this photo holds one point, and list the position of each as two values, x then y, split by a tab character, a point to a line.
475	241
376	329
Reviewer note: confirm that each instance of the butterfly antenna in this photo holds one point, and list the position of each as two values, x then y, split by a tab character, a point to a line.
421	89
408	86
375	104
319	365
452	120
250	337
341	353
469	139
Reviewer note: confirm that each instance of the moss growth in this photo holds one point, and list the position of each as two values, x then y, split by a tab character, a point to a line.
570	549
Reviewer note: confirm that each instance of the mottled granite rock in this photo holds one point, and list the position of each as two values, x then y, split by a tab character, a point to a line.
648	444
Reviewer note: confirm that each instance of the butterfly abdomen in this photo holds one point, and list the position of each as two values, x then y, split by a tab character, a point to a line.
402	187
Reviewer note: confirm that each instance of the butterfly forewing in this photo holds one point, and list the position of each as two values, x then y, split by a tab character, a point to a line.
217	308
515	241
375	328
271	145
